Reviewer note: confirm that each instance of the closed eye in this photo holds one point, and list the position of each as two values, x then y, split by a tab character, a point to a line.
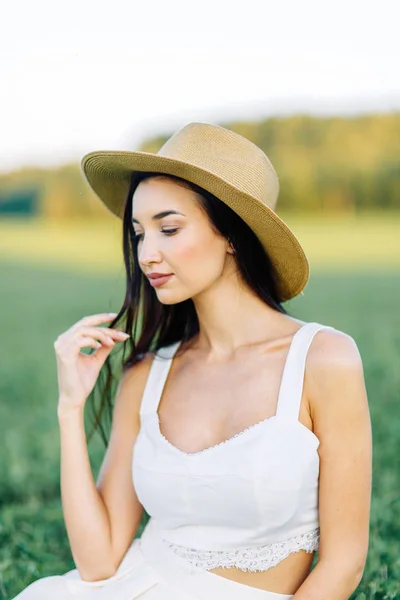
139	236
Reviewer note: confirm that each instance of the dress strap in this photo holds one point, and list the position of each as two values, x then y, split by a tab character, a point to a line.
157	377
291	387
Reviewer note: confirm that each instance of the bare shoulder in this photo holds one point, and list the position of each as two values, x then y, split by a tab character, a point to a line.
334	382
332	348
131	386
138	371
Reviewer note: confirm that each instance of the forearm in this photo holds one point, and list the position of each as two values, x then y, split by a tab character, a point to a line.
85	514
329	581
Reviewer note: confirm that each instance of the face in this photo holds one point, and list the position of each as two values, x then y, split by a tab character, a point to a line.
183	244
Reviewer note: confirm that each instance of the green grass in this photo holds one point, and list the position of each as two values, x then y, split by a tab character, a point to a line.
39	303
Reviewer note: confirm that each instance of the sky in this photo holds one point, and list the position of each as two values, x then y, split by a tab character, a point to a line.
88	75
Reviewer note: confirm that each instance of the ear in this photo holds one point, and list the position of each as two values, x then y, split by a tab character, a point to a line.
231	248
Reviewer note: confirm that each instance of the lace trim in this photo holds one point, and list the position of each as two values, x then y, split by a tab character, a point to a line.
202	451
253	559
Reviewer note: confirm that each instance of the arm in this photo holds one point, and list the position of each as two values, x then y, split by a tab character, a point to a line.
339	409
101	519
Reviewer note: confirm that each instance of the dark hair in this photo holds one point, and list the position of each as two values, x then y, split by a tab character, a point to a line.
153	324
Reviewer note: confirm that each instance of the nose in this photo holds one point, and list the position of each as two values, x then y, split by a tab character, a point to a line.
147	252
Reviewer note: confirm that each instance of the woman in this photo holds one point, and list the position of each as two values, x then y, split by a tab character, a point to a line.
242	432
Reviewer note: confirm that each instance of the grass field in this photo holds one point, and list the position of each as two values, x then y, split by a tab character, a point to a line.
37	303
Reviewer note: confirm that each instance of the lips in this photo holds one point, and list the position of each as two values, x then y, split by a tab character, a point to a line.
158	275
156	281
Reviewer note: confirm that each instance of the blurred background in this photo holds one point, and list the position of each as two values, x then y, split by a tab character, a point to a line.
315	85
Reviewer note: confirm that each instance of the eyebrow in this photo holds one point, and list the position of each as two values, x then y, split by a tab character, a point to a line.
162	214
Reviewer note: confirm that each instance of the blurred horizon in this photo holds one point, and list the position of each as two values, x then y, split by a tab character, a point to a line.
163	127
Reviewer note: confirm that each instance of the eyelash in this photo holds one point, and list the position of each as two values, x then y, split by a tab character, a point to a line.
139	236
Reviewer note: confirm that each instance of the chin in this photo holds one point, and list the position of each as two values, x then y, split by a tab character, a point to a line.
168	297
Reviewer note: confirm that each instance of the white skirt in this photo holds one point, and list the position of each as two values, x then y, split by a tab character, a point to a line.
149	571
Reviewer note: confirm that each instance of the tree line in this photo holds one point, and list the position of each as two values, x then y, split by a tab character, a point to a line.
324	164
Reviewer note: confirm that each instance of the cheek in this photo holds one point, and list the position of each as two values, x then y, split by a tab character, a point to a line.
188	251
198	256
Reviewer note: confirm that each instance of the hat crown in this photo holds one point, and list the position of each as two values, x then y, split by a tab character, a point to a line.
229	156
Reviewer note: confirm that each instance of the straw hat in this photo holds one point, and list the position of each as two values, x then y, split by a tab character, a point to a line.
224	163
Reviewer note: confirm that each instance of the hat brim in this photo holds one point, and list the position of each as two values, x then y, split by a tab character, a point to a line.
109	173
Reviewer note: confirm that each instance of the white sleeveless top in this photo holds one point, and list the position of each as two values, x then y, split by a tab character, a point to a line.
247	502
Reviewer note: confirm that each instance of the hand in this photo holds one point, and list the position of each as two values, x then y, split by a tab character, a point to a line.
77	372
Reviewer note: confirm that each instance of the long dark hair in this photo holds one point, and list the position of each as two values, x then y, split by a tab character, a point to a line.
152	324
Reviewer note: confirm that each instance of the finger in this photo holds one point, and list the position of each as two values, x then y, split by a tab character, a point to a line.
83	341
104	331
112	329
101	334
114	332
95	319
96	336
102	353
